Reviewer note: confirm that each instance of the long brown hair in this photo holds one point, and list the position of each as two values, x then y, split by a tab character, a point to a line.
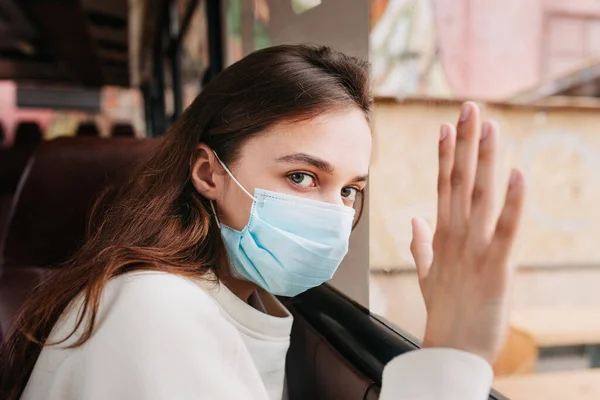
158	220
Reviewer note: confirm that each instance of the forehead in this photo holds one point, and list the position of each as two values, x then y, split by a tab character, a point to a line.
342	138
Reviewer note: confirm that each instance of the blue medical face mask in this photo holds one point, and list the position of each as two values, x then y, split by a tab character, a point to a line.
290	244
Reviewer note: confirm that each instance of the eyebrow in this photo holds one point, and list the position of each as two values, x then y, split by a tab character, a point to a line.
316	162
304	158
361	178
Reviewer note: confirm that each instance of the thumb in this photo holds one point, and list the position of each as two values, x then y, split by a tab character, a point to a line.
421	246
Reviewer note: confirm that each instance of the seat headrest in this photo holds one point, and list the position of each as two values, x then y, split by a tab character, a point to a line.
28	135
87	129
122	130
66	176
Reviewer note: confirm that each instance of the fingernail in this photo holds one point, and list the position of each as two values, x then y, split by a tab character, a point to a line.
485	132
443	133
464	112
513	178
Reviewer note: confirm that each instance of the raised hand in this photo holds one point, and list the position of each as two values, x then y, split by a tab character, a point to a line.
464	268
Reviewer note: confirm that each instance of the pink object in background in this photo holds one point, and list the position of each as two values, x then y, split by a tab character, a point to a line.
10	115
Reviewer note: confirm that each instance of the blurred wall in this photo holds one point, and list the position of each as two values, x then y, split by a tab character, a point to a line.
336	23
11	115
485	49
559	247
557	147
397	296
118	105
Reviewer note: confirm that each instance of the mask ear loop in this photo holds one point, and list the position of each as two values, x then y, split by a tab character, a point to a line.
212	205
233	177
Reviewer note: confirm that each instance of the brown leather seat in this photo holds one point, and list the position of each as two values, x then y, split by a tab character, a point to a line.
13	163
2	135
50	213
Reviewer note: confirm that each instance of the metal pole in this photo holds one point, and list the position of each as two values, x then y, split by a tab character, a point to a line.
147	96
158	70
158	95
185	23
215	37
175	56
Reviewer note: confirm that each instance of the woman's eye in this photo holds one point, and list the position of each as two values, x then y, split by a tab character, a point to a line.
302	179
349	193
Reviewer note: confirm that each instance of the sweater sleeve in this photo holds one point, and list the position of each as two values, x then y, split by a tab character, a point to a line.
162	338
437	373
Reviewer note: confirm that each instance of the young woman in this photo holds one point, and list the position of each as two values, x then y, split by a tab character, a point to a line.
252	194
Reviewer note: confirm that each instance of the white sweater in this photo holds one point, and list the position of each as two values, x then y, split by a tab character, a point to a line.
163	337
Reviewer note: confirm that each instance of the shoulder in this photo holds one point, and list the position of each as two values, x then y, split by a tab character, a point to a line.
140	312
147	303
155	296
149	325
160	316
157	289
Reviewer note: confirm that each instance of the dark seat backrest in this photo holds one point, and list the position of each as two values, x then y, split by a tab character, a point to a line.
2	135
49	220
50	213
13	163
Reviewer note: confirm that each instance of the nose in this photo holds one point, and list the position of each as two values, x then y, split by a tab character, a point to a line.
333	196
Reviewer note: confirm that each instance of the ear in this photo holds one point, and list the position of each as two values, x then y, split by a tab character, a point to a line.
205	177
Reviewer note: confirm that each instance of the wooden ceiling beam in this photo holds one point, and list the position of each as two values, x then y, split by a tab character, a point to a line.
64	24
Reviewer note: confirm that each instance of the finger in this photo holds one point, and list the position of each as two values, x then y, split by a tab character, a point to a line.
484	190
508	224
421	247
463	171
446	160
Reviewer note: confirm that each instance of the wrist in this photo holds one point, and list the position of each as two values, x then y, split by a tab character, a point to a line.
429	343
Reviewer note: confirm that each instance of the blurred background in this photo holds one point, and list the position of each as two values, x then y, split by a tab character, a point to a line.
532	65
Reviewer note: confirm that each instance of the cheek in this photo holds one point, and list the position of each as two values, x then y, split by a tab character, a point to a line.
234	207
